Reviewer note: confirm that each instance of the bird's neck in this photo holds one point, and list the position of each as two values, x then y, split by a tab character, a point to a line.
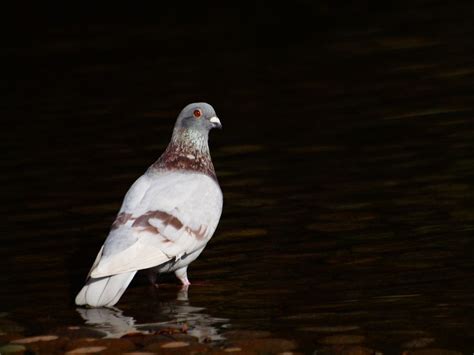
188	150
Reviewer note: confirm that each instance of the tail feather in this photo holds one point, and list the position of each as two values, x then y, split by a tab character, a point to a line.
104	291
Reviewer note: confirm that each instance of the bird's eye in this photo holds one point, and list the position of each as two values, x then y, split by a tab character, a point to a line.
197	113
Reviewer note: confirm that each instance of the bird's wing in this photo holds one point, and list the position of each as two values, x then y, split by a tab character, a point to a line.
163	217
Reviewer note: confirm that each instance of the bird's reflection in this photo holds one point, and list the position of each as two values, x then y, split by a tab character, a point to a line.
114	324
110	321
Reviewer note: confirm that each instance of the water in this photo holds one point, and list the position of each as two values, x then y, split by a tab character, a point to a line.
346	163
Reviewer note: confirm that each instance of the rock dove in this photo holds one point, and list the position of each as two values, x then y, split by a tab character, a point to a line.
167	216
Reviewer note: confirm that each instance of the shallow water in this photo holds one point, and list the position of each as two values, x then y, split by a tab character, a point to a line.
346	163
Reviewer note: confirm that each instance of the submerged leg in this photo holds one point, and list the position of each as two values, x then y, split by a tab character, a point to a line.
152	275
182	275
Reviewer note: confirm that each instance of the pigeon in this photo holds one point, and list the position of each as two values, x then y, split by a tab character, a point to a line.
167	216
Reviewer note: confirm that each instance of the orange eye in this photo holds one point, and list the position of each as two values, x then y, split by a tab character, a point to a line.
197	113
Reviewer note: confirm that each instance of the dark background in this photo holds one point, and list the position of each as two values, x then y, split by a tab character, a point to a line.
346	158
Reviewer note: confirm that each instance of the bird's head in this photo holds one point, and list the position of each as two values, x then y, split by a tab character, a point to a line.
189	148
199	117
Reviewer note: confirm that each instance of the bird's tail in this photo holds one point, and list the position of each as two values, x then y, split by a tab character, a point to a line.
104	291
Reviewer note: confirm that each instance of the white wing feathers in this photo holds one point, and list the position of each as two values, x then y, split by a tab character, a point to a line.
161	219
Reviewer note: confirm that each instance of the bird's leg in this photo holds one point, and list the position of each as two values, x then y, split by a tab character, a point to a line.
152	275
182	275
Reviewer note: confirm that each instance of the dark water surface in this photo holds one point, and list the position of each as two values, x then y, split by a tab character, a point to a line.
346	163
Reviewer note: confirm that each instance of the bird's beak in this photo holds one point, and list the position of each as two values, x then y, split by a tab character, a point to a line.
216	123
